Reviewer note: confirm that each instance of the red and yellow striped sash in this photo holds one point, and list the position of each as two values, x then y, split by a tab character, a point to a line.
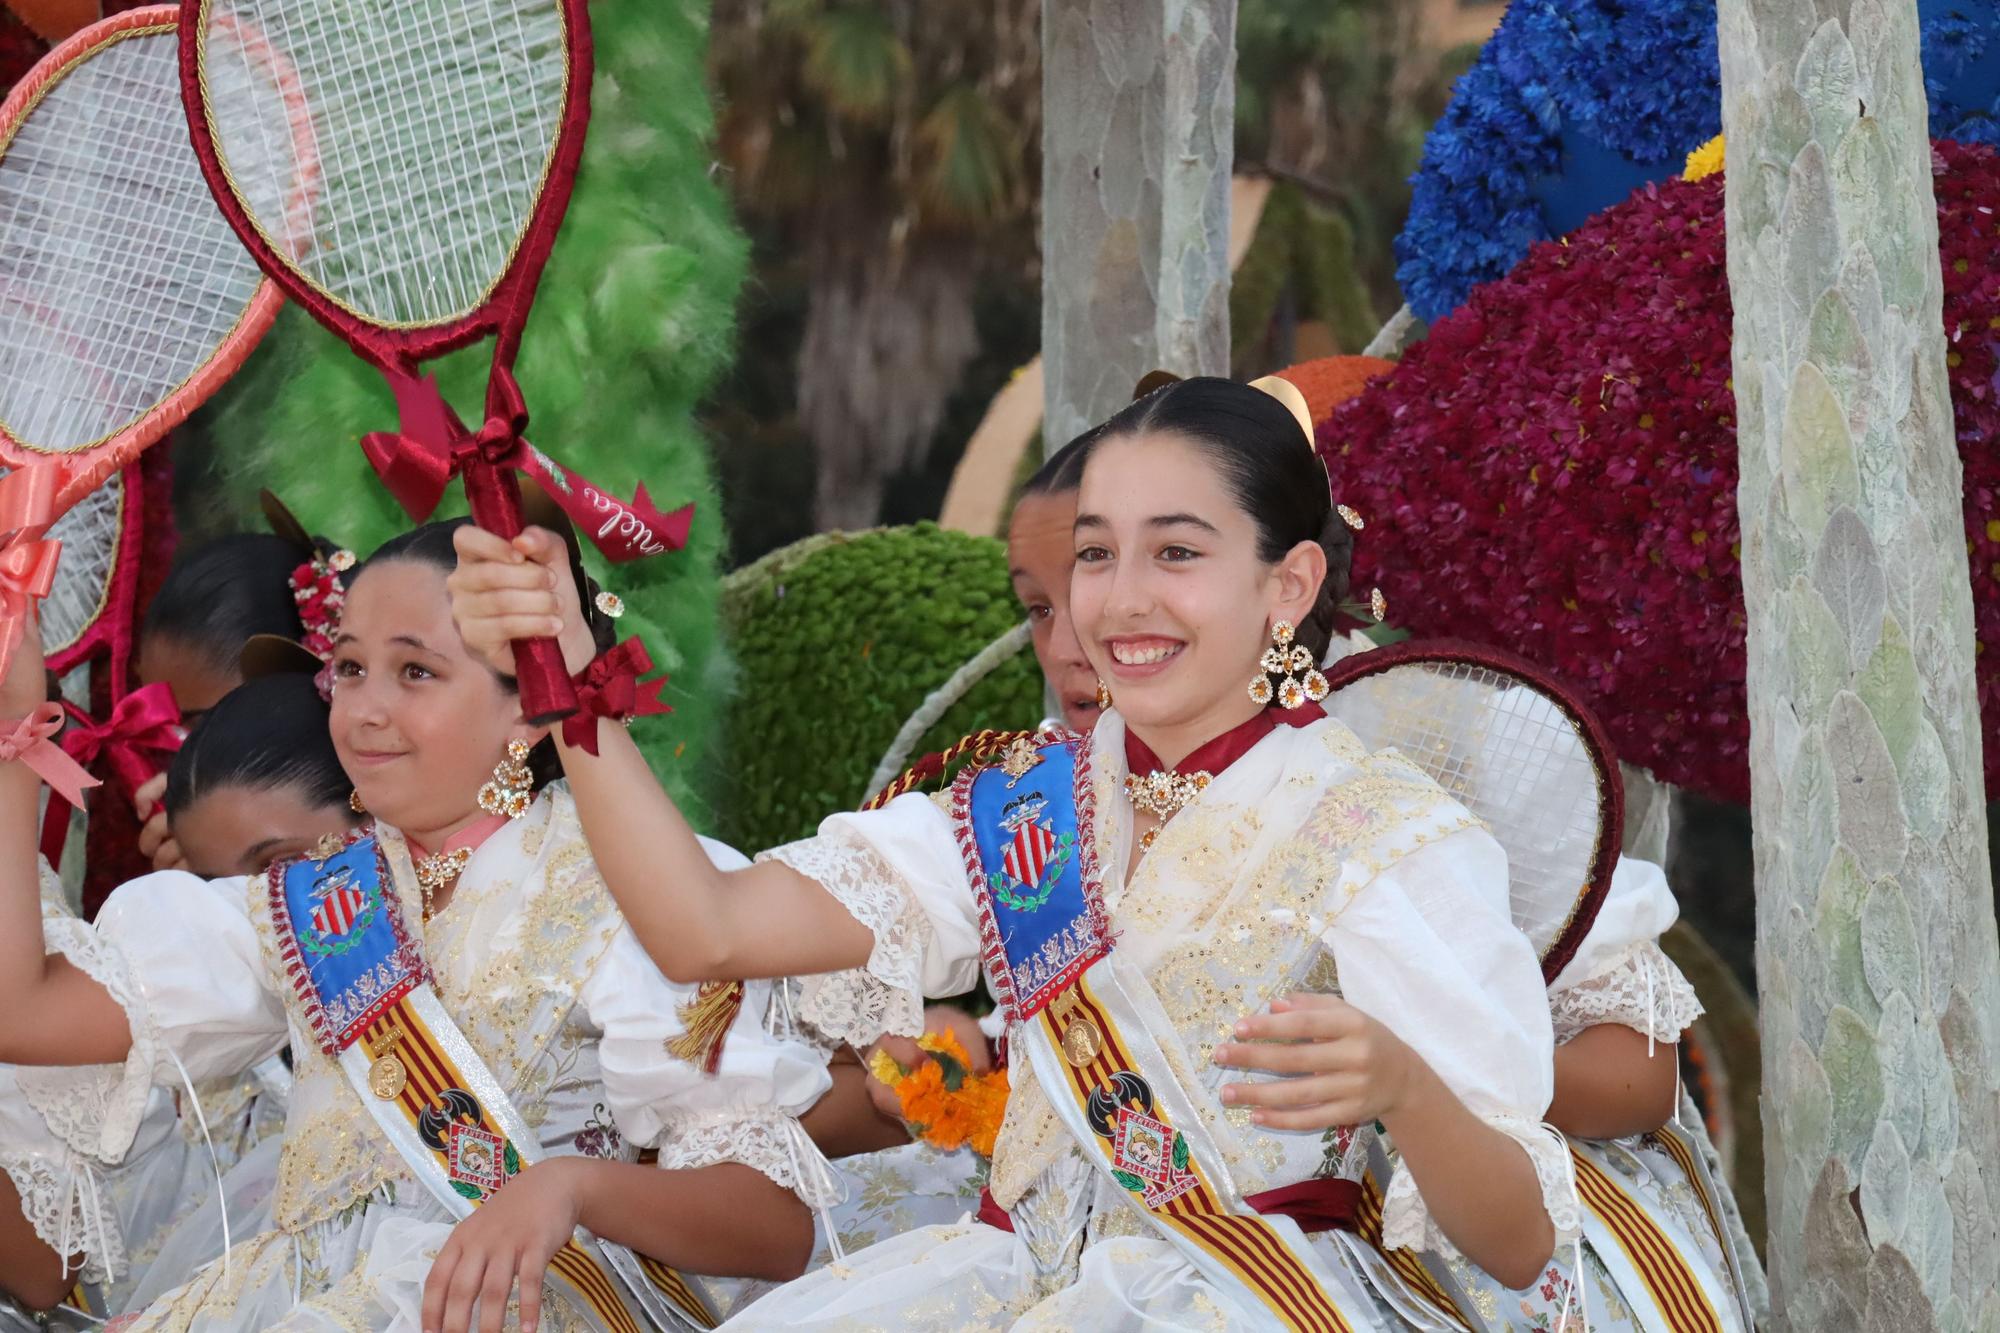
1246	1246
1670	1283
1676	1147
428	1073
1408	1264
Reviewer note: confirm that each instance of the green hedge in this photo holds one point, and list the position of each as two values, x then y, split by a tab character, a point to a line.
838	639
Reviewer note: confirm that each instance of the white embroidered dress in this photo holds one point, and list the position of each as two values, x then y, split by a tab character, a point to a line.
115	1213
544	978
1620	975
1238	901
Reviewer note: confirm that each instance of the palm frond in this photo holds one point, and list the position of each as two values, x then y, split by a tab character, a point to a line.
856	61
969	159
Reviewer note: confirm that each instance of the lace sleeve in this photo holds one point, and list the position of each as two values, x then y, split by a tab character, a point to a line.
770	1141
1641	989
65	1202
96	1109
1407	1223
886	994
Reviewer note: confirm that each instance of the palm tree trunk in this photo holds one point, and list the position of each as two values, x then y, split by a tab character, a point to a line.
1876	950
888	333
1139	100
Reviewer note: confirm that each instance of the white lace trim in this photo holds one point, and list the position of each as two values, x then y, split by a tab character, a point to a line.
886	995
66	1204
1406	1221
1641	990
769	1141
96	1109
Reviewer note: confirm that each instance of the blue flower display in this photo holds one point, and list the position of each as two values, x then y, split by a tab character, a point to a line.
1573	104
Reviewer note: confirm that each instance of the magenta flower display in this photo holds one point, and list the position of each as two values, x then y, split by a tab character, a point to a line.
1553	470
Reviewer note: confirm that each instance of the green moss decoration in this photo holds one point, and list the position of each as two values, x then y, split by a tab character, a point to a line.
839	639
632	324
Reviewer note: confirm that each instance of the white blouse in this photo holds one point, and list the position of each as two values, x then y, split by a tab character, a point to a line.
544	978
1619	973
1410	923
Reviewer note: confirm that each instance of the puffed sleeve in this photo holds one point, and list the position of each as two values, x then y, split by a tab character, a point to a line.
62	1192
746	1111
180	955
897	871
1620	974
1427	948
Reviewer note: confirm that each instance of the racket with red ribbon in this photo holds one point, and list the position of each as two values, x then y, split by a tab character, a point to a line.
443	137
1517	748
125	300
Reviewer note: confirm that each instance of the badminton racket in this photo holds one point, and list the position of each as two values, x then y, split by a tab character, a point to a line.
1517	748
444	137
125	298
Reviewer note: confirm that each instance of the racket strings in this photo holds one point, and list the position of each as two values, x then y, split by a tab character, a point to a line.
435	122
118	277
1508	752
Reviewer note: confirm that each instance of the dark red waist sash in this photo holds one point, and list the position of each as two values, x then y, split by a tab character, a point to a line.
1320	1204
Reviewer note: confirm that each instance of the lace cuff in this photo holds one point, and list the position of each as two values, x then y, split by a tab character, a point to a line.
96	1109
1406	1221
886	995
1641	990
66	1204
770	1141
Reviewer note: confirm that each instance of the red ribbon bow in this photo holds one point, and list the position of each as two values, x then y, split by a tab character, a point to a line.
144	727
29	742
431	446
610	688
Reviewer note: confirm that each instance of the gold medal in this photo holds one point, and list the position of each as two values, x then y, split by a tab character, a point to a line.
386	1078
1082	1042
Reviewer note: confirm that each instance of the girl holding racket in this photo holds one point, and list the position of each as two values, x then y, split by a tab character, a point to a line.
470	1018
1124	914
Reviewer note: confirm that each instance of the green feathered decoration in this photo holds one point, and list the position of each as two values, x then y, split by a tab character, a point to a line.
840	638
632	324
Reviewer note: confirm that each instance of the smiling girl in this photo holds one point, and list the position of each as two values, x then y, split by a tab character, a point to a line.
481	1046
1213	844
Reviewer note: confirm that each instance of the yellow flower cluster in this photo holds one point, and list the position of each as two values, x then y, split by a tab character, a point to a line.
1704	161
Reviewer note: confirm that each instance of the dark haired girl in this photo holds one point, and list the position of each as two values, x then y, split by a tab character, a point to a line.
1215	844
482	1048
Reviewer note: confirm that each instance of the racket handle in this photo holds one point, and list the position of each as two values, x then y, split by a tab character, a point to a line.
546	692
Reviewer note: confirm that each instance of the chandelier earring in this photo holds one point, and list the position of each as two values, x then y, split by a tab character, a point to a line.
354	803
512	788
1299	678
1103	695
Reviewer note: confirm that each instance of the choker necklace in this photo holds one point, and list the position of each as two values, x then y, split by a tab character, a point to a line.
1163	794
436	873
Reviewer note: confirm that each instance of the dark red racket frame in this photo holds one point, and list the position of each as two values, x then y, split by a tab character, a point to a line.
494	492
1603	756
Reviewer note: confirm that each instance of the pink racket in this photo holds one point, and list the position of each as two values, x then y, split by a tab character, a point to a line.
444	137
1517	748
125	298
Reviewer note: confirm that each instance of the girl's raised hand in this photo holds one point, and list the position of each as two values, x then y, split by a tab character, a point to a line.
26	687
1341	1066
503	591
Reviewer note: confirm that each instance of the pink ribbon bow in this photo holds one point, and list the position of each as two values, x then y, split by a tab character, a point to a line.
29	504
30	743
431	446
610	688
